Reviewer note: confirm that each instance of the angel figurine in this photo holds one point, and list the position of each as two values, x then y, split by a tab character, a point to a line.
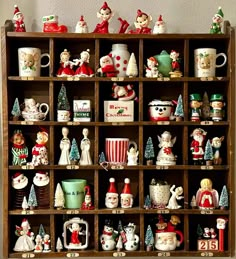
85	144
175	195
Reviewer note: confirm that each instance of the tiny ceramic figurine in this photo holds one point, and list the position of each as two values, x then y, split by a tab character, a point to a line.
221	225
132	243
85	144
142	23
84	70
87	204
46	243
50	24
197	145
65	147
19	150
133	154
175	64
160	26
123	93
81	26
152	68
165	155
38	244
216	143
217	21
66	66
107	68
217	104
105	14
161	110
111	200
108	236
175	195
207	197
18	20
126	195
195	105
75	230
123	25
25	239
39	151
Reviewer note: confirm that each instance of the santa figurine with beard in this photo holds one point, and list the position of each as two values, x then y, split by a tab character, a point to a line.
123	93
197	145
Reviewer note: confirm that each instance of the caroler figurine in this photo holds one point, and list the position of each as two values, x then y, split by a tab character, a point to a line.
217	104
19	149
217	21
175	64
142	23
66	66
85	144
105	14
18	20
84	70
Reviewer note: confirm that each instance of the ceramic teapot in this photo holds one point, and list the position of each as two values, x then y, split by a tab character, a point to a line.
164	63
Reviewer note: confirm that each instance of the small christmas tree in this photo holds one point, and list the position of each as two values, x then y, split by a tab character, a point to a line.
179	111
24	205
63	103
119	244
41	231
147	202
149	151
32	201
74	152
224	198
102	158
16	112
208	154
199	231
149	239
132	68
193	202
205	109
59	198
59	245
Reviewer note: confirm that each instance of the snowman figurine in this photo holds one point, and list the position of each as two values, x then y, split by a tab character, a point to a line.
108	236
132	239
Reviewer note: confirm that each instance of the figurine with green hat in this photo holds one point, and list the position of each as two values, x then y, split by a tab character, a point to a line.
195	105
217	107
217	21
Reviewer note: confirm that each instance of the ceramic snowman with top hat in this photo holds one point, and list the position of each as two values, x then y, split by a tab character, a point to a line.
111	200
126	195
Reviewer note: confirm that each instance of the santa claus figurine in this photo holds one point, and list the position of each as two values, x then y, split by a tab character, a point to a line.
81	26
123	93
160	26
126	195
197	145
18	19
107	68
87	204
111	200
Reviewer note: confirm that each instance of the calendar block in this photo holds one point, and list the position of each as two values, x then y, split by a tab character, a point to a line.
202	244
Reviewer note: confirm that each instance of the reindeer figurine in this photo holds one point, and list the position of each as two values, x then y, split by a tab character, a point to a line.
216	144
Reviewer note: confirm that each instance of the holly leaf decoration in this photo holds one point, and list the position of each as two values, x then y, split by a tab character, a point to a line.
120	111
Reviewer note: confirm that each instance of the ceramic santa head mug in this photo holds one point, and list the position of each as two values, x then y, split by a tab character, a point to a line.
205	62
30	61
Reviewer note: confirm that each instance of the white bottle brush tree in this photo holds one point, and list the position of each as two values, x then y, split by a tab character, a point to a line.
59	198
132	68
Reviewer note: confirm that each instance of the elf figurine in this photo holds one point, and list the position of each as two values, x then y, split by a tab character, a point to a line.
105	14
19	150
18	19
65	65
142	22
87	204
174	55
217	21
217	103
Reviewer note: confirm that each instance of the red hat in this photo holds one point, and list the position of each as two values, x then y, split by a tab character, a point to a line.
126	189
112	187
105	6
81	18
16	175
87	190
17	11
160	18
140	13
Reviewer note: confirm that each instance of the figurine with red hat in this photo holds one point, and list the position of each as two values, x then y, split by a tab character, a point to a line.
221	225
107	68
19	150
217	21
160	26
84	70
81	26
65	64
142	22
126	197
111	200
18	19
152	68
105	13
175	64
87	204
123	93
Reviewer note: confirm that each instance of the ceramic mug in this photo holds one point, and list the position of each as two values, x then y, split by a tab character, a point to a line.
116	150
30	61
205	62
161	110
167	241
74	192
159	195
63	115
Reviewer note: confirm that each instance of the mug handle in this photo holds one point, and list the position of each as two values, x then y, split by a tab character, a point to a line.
225	59
47	108
45	55
180	234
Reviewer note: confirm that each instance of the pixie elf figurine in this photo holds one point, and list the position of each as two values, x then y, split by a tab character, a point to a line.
217	20
19	150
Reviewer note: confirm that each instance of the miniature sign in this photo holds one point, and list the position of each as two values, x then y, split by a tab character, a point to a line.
82	110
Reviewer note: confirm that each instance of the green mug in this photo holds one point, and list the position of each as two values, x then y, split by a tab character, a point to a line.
74	192
164	63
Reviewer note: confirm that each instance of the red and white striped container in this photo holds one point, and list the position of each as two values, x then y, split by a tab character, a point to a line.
116	150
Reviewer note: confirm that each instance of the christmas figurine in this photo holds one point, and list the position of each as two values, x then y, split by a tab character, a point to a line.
18	20
108	236
107	68
152	68
197	145
75	230
19	150
38	244
217	104
39	151
50	24
160	26
175	195
142	23
66	66
123	25
85	144
111	200
105	14
207	197
25	239
165	155
221	225
132	155
132	239
174	55
123	93
84	70
46	243
65	147
195	105
81	26
126	195
87	204
217	21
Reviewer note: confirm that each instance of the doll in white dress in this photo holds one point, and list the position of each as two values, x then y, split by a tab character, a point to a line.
85	158
65	147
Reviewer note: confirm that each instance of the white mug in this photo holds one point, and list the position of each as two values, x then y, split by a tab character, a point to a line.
63	115
205	62
30	61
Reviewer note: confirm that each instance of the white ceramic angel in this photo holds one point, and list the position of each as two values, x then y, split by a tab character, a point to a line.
85	158
175	195
65	147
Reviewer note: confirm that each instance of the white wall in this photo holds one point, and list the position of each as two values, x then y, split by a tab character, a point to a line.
181	16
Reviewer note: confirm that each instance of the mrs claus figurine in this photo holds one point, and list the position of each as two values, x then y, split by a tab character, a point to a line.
217	21
18	20
85	144
65	147
142	23
126	195
19	149
81	26
84	70
160	26
65	65
111	200
105	14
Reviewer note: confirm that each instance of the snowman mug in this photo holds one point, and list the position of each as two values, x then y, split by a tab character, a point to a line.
30	61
